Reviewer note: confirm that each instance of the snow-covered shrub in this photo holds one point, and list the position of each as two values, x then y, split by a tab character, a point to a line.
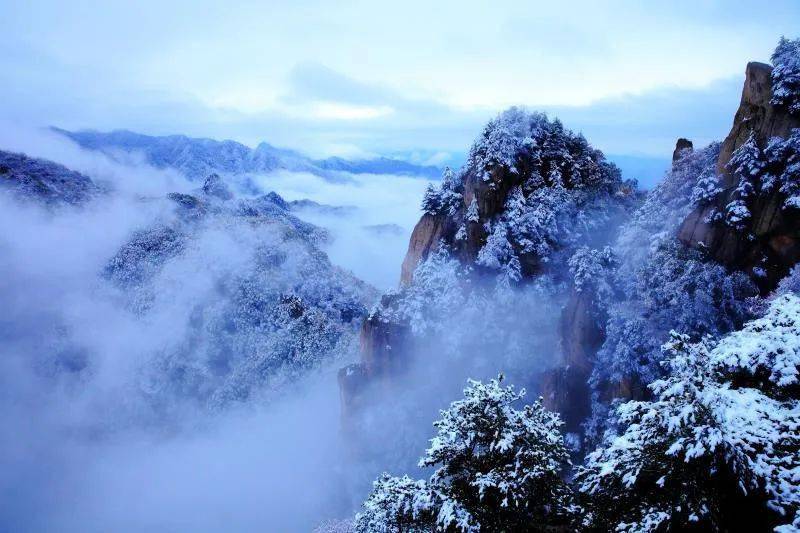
783	168
790	283
675	288
708	449
431	200
437	290
593	270
766	352
691	181
497	468
759	172
501	141
786	75
746	165
498	254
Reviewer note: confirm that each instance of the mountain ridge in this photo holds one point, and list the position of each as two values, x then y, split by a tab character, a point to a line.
199	157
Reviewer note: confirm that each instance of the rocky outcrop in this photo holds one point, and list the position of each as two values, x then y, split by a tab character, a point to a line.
564	388
489	195
756	115
506	213
426	235
214	187
681	147
384	345
771	242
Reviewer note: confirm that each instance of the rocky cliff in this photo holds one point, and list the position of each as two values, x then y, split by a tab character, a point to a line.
535	203
767	244
531	193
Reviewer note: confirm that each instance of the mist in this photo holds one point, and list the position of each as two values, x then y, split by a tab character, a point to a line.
371	239
98	436
90	442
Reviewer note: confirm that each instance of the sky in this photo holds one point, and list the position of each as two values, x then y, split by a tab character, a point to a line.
409	79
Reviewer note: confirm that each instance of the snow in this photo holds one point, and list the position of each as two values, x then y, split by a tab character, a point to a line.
786	75
492	463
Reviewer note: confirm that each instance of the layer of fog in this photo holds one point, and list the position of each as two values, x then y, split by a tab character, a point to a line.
75	453
370	240
77	448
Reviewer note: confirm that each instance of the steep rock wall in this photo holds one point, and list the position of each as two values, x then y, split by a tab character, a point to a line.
775	245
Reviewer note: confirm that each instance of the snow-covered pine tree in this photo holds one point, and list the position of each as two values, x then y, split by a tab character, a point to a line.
786	75
746	164
444	199
593	270
497	469
783	168
432	200
718	447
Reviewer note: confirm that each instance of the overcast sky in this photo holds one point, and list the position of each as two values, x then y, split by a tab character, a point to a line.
363	78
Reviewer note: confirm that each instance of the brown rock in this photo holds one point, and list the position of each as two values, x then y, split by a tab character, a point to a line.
565	388
755	114
775	247
425	237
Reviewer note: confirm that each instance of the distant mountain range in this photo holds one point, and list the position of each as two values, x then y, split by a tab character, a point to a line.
197	158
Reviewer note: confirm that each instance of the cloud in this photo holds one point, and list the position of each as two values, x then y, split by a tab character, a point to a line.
383	81
313	81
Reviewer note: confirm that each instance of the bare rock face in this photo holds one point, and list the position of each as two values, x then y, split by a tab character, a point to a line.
424	238
755	114
383	346
565	388
775	245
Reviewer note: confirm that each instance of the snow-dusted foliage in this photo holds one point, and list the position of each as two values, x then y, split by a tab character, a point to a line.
446	198
746	165
560	191
766	352
44	181
661	285
786	75
594	270
437	290
498	254
674	288
711	450
692	180
783	168
791	283
497	468
264	303
515	323
759	172
551	154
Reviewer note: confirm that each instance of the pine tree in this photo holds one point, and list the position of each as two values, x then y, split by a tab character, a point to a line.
747	165
497	469
432	200
718	446
786	75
